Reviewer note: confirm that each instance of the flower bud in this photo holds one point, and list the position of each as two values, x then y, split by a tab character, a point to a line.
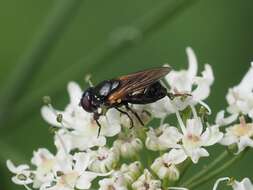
131	172
128	147
164	170
104	160
162	138
46	100
164	167
146	181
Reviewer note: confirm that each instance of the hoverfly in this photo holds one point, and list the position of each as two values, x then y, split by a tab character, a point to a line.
141	87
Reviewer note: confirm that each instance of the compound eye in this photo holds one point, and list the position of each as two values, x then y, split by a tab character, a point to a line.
86	103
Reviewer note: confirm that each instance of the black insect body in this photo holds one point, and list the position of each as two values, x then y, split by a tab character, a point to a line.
138	88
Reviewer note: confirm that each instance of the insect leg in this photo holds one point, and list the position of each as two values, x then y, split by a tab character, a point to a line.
123	112
136	115
174	95
96	117
99	128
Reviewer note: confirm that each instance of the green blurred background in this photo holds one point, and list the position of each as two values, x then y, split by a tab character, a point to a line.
107	39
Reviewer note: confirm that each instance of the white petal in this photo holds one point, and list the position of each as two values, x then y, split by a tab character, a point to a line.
192	61
246	82
197	153
83	142
243	143
211	136
207	74
21	182
228	139
11	166
203	84
175	156
84	181
161	108
40	155
82	160
170	137
63	143
15	169
222	121
245	184
202	91
49	116
182	80
194	126
75	93
110	123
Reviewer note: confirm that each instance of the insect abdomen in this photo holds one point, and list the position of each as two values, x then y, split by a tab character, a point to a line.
151	94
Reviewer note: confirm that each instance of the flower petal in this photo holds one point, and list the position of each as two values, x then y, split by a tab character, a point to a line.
197	153
228	139
194	126
82	160
222	121
175	156
84	181
243	143
50	116
192	61
246	82
75	93
211	136
15	169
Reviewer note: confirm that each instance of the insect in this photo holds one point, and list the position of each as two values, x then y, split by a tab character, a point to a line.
137	88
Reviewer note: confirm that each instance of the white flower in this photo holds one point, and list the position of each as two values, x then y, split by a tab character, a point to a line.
162	138
184	81
122	178
72	173
240	97
113	183
245	184
128	145
103	159
84	129
146	181
240	134
45	162
195	138
23	174
165	166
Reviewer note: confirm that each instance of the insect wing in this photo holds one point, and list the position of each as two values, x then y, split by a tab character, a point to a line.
133	83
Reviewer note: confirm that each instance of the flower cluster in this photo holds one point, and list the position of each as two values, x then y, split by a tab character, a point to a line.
140	158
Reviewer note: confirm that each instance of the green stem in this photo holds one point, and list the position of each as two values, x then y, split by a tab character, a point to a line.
210	175
33	59
207	169
146	26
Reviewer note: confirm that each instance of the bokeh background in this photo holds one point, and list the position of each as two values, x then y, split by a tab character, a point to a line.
67	39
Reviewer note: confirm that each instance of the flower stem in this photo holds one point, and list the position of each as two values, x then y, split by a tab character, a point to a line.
206	170
145	26
33	59
210	175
